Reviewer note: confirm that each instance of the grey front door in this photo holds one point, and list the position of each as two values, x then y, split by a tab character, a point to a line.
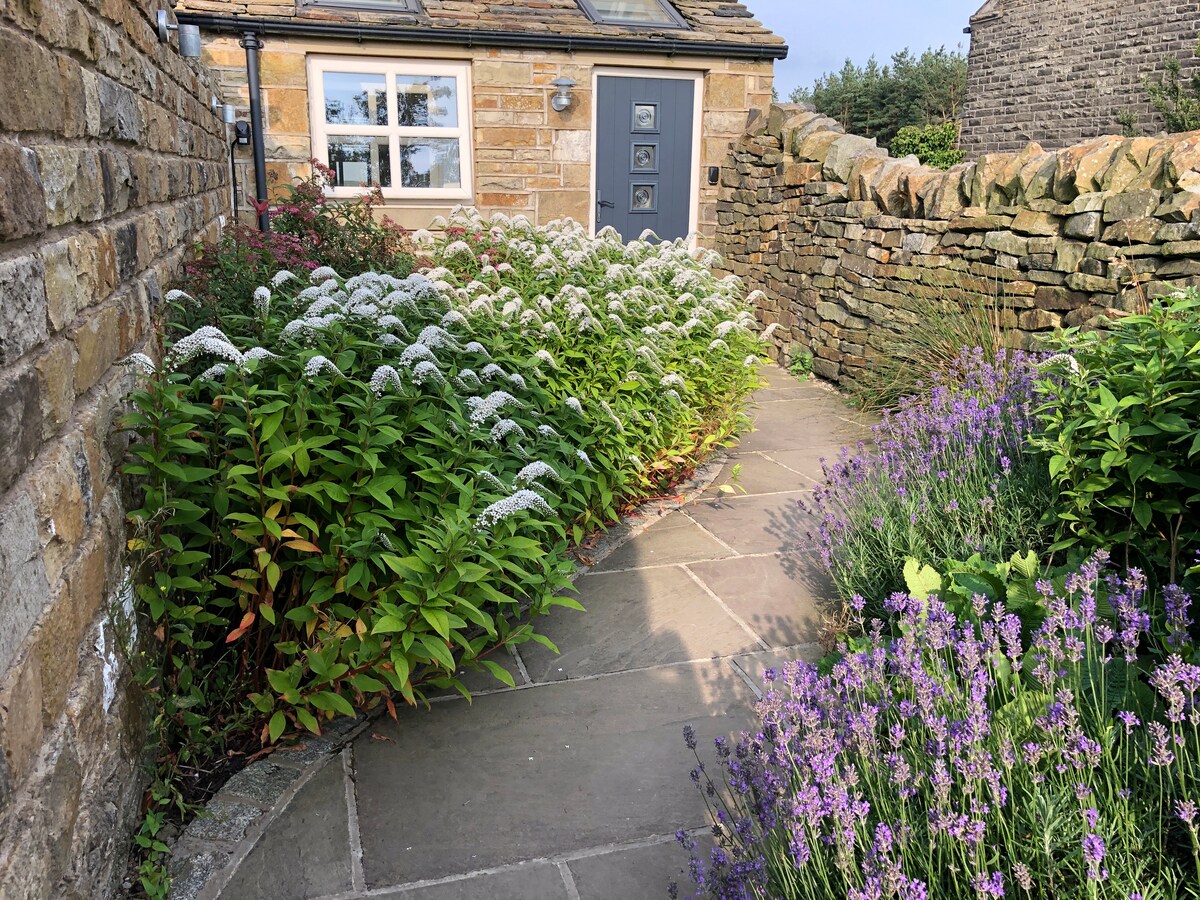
644	130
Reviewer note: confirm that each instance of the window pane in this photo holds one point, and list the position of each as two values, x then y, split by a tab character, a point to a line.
360	161
429	163
633	11
430	100
352	98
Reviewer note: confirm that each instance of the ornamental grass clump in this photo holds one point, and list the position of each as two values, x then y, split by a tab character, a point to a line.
951	473
960	760
355	487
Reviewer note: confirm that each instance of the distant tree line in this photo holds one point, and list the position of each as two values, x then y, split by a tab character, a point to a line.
912	92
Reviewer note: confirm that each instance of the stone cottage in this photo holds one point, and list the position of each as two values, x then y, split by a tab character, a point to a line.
613	112
1059	71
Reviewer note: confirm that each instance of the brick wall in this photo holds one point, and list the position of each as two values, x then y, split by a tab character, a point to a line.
844	240
1059	71
111	164
527	158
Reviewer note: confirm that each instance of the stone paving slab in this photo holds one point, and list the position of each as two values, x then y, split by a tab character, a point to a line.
527	774
758	474
635	619
306	851
778	596
767	523
798	424
755	665
675	539
537	881
641	872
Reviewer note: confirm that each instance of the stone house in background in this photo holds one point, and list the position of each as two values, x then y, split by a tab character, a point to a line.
1060	71
445	102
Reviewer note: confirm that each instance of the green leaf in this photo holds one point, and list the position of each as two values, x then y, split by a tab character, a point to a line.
438	619
498	671
921	580
277	725
387	625
308	720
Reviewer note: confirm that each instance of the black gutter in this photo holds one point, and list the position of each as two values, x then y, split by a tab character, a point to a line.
467	37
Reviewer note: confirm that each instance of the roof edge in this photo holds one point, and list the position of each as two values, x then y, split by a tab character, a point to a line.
480	38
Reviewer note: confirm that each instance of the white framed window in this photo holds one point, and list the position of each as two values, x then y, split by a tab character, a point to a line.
402	126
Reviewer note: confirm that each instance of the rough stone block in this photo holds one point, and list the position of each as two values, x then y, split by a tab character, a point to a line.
1084	225
845	152
22	200
1036	223
23	316
22	572
97	343
1132	205
70	176
20	725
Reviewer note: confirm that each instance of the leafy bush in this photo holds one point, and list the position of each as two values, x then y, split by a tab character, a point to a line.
959	760
1120	423
934	145
1175	98
358	486
950	472
307	231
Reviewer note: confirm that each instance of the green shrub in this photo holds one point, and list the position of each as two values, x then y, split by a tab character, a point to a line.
1175	98
358	486
307	231
1121	428
934	145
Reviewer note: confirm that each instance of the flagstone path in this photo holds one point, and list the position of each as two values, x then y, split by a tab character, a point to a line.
572	785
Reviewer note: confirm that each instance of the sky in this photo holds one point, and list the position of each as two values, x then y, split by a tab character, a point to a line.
823	33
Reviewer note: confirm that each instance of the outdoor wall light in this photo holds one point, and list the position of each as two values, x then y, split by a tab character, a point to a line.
229	114
562	93
189	35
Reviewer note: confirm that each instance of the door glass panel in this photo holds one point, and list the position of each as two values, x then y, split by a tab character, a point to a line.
427	100
645	117
645	157
644	198
352	98
430	163
360	161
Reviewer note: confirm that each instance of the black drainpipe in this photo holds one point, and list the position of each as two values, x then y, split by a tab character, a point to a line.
252	44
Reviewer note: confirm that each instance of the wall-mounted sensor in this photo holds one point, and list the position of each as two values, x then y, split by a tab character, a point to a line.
242	130
714	175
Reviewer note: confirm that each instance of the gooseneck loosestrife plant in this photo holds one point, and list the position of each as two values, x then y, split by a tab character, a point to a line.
358	486
960	759
951	473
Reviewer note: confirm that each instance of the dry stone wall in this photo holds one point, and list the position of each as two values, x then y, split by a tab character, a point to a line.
1060	71
847	242
111	165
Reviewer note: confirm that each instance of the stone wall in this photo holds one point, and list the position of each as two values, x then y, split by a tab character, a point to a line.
1059	71
846	241
111	164
528	158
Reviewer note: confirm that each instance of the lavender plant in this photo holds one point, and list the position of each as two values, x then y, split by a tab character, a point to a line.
950	474
957	760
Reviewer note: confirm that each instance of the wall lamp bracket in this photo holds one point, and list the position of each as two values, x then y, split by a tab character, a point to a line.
189	35
561	100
